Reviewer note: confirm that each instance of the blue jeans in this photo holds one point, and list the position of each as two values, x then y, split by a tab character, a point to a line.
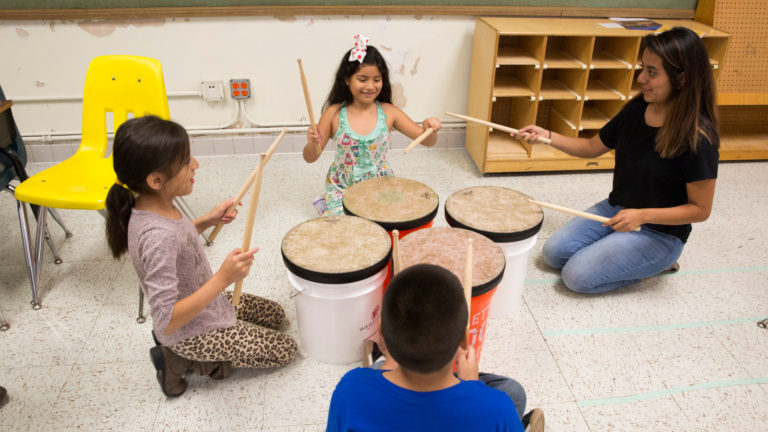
596	259
512	388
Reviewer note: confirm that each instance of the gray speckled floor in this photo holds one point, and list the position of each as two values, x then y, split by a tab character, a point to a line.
676	352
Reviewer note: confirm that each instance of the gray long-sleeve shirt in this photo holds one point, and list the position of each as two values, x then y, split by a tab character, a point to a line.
171	265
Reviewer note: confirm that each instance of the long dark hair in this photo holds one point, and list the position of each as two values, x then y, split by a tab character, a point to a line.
691	106
142	146
340	90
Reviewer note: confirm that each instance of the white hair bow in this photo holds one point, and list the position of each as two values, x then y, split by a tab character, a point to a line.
358	52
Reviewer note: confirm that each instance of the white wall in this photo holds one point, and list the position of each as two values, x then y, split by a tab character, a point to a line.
429	60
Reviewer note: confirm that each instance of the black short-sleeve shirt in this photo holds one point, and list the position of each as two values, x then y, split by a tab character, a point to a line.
641	178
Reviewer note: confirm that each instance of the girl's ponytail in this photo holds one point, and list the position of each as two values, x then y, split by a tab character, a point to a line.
119	205
142	145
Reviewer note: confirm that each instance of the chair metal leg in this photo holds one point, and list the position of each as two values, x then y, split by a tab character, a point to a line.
191	215
28	251
3	323
140	319
49	240
39	236
57	217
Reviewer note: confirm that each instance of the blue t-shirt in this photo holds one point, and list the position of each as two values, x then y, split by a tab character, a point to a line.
366	401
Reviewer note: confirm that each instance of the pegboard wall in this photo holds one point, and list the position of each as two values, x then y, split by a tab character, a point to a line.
745	68
743	119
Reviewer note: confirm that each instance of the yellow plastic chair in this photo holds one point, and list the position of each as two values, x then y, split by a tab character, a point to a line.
119	84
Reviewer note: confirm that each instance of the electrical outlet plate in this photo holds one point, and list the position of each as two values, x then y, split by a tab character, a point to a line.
240	88
213	91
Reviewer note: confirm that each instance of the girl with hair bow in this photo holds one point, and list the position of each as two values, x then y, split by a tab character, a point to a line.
358	114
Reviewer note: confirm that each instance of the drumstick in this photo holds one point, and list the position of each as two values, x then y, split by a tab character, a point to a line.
418	140
247	185
468	281
497	126
573	212
306	96
397	259
249	223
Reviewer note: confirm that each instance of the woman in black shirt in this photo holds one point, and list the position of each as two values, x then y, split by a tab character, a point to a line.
665	143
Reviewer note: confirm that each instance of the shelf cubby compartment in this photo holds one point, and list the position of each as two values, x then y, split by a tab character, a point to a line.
615	53
567	52
560	116
516	81
520	50
716	48
502	147
608	84
562	84
743	132
597	113
515	113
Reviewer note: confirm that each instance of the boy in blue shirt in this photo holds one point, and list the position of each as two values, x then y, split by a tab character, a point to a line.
423	324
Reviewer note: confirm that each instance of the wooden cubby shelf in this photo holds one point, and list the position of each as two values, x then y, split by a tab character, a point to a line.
515	55
556	90
605	60
510	86
598	90
562	60
569	75
592	118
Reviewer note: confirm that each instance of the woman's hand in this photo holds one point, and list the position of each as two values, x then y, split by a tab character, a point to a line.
531	132
627	220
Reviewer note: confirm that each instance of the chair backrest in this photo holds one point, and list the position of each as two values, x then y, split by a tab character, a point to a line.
7	173
120	84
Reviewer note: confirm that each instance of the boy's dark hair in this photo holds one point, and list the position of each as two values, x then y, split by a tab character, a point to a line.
340	90
142	145
423	317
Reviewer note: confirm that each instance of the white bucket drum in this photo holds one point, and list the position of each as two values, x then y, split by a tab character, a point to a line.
507	217
337	266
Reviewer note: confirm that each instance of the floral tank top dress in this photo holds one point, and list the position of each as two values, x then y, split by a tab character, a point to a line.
357	158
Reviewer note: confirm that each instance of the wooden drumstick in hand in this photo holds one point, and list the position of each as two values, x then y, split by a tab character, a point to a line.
247	185
585	215
467	283
418	140
306	96
397	259
308	101
249	223
497	126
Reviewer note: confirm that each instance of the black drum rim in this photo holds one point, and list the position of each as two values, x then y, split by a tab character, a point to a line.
496	236
400	225
491	284
336	278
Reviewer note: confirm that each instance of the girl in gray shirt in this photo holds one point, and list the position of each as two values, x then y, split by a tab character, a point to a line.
195	325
